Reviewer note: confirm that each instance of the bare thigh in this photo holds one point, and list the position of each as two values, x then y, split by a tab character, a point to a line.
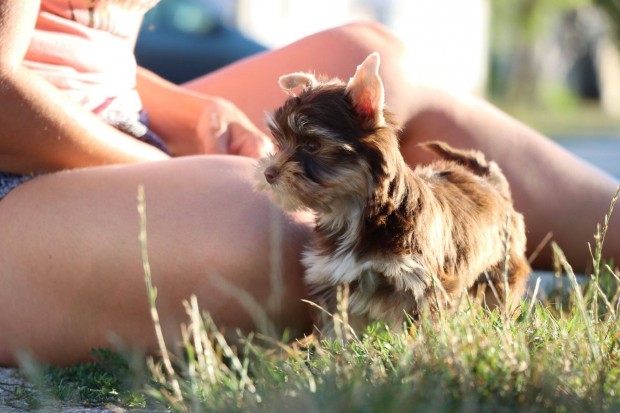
71	275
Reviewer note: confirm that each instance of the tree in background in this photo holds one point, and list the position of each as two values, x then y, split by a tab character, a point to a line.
612	8
517	29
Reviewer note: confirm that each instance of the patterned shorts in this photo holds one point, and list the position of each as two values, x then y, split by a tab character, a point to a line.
136	128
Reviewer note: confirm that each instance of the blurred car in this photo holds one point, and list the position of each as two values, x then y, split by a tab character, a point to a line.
183	39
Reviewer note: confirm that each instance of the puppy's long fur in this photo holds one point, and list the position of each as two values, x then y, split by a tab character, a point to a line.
385	230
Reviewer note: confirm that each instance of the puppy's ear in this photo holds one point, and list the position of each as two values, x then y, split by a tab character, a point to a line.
295	80
366	90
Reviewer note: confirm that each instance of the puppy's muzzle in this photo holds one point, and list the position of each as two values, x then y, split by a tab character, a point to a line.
271	174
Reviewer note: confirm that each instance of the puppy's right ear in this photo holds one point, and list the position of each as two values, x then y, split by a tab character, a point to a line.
366	90
295	80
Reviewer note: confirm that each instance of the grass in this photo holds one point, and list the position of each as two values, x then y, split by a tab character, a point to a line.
557	355
108	380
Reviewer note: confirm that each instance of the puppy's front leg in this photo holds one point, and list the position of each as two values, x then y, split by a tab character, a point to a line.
332	314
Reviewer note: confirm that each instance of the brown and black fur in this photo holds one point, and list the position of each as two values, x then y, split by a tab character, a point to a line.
388	231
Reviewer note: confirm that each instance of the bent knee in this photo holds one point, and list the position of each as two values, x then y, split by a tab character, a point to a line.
376	36
368	37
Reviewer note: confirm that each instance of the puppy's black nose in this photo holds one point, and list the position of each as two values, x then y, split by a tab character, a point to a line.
271	174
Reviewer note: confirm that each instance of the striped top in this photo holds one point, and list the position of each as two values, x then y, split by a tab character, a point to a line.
85	48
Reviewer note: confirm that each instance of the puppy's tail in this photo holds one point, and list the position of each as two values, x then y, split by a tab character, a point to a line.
473	161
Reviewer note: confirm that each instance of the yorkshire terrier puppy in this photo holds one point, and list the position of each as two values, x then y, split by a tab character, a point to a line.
401	239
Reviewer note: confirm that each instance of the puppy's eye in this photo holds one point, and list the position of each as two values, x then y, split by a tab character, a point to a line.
311	147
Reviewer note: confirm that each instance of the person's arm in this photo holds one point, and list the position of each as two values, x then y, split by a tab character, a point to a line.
192	123
42	130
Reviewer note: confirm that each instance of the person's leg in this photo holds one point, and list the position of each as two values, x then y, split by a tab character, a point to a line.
556	191
71	275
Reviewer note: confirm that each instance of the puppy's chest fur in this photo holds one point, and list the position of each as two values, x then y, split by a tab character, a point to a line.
373	249
376	285
369	242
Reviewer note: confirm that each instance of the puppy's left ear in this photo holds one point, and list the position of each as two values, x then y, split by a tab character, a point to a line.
366	90
295	80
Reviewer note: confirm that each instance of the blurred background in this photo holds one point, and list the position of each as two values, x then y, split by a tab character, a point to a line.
554	64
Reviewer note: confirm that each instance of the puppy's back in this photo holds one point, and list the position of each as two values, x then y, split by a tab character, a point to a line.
472	160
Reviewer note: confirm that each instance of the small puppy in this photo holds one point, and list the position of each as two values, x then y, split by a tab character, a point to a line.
401	239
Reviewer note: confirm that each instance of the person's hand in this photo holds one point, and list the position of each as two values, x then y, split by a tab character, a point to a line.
223	128
192	123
